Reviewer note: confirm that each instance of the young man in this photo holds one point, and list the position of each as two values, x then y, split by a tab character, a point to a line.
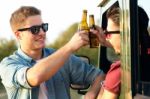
35	72
111	84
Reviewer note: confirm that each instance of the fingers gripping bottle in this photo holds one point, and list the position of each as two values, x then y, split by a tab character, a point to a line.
94	43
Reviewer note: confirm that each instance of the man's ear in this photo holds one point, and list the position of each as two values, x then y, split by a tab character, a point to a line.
18	35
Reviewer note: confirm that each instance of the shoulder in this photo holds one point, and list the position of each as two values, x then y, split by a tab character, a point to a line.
10	59
113	78
114	66
115	70
49	50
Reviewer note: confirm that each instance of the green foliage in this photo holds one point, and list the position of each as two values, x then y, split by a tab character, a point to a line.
7	47
84	51
92	53
65	36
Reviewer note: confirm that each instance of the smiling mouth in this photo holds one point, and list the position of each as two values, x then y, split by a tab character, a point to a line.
40	39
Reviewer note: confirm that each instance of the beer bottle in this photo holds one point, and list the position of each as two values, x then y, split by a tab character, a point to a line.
94	43
83	25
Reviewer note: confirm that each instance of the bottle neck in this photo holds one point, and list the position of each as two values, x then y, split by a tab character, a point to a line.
83	25
84	17
91	21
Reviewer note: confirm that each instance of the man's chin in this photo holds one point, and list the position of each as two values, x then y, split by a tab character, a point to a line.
40	47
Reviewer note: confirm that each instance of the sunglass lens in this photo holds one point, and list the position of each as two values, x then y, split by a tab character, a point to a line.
45	27
35	29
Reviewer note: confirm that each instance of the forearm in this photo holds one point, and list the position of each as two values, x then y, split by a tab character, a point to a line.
108	95
100	94
47	67
95	87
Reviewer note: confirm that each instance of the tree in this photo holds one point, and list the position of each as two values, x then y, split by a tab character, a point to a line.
7	47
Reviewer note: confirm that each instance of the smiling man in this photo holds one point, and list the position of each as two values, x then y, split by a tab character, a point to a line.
36	72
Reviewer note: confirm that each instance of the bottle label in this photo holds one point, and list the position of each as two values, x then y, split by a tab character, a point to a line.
94	43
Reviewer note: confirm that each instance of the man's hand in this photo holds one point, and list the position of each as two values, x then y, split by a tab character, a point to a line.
79	39
101	36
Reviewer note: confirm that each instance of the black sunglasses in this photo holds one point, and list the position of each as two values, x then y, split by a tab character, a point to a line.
111	32
36	28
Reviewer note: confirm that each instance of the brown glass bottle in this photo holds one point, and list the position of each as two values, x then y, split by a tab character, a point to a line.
94	43
83	25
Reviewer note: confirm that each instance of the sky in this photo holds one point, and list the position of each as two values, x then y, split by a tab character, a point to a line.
60	14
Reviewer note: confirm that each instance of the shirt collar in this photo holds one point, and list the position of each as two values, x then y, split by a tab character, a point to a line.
23	55
45	53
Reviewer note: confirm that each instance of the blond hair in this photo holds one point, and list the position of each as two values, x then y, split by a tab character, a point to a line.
18	18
